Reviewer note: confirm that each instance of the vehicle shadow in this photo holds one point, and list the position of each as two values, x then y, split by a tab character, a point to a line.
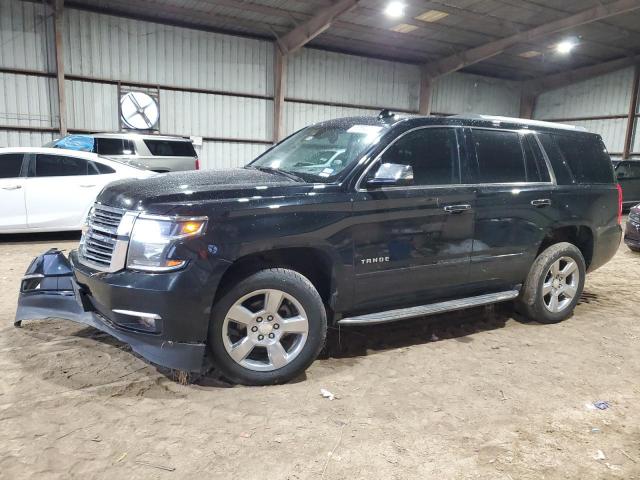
351	342
44	237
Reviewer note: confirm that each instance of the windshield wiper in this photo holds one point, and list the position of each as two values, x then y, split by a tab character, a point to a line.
284	173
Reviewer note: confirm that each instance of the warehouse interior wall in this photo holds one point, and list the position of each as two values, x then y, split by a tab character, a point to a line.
600	104
215	86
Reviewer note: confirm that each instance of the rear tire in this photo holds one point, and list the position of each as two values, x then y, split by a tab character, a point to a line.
554	284
634	249
267	328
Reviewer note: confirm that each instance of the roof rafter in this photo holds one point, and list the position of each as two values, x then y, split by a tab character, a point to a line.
313	27
563	79
478	54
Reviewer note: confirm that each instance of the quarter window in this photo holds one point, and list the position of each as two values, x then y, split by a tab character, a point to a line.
114	146
97	168
169	148
10	165
432	154
500	158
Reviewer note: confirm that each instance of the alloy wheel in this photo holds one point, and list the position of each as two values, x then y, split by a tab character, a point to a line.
560	284
265	330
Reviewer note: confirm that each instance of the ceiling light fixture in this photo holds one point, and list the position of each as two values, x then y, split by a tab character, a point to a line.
395	9
565	47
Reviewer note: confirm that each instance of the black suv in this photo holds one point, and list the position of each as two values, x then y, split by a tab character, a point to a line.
351	222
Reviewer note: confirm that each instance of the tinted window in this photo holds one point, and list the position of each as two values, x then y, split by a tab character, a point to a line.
10	165
58	166
561	170
432	153
537	170
584	156
114	146
500	158
170	148
628	170
96	168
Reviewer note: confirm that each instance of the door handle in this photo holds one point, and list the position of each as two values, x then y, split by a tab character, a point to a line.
541	202
13	187
457	208
87	186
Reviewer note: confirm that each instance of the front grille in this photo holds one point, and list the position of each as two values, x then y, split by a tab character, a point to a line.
101	237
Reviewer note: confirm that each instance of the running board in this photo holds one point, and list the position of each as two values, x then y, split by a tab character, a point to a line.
431	309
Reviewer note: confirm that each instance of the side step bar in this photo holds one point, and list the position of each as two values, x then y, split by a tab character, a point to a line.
431	309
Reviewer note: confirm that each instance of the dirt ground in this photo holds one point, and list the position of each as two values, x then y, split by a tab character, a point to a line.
473	395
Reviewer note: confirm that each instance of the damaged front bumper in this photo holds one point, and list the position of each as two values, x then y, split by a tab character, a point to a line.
49	289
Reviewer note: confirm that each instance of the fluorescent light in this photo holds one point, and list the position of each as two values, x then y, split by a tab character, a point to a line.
404	28
395	9
432	16
565	47
530	54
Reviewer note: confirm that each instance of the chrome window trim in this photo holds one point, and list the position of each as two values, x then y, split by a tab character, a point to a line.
377	157
358	187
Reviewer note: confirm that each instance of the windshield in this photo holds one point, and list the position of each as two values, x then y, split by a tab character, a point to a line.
321	152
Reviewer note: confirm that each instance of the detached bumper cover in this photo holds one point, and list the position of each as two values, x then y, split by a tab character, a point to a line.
49	290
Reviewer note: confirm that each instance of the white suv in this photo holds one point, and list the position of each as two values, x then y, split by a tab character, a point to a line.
154	152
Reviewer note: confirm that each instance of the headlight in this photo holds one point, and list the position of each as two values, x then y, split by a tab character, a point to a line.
153	242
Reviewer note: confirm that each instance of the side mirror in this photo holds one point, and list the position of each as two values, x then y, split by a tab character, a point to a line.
391	174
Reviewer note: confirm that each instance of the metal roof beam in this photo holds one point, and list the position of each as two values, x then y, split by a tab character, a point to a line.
313	27
491	49
563	79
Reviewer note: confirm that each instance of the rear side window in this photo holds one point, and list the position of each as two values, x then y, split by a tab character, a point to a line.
170	148
59	166
500	158
114	146
537	170
10	165
583	157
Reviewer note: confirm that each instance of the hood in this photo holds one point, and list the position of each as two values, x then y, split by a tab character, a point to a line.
158	194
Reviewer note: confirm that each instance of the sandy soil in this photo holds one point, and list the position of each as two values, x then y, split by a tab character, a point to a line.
476	395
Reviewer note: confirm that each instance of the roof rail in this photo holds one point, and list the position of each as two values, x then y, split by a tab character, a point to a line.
521	121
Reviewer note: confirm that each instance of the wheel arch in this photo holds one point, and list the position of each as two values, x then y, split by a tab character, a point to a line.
316	264
581	236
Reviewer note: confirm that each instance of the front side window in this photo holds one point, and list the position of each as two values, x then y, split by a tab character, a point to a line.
429	155
628	171
59	166
321	153
500	156
10	165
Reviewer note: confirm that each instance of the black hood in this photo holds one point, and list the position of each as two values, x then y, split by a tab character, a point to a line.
157	193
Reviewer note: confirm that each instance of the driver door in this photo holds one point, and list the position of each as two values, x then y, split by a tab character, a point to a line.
413	240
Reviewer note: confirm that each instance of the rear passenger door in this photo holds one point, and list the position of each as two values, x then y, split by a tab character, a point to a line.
167	155
514	205
60	190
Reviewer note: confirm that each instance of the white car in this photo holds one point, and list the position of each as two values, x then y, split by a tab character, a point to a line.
51	190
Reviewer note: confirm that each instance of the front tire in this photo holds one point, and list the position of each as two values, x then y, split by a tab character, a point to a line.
554	284
267	328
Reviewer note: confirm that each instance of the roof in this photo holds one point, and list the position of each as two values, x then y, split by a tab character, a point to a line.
428	31
50	151
462	120
145	136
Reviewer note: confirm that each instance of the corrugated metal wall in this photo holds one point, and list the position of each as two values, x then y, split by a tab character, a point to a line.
606	95
463	93
214	86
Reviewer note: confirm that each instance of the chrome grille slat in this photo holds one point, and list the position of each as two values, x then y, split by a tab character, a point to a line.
101	238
